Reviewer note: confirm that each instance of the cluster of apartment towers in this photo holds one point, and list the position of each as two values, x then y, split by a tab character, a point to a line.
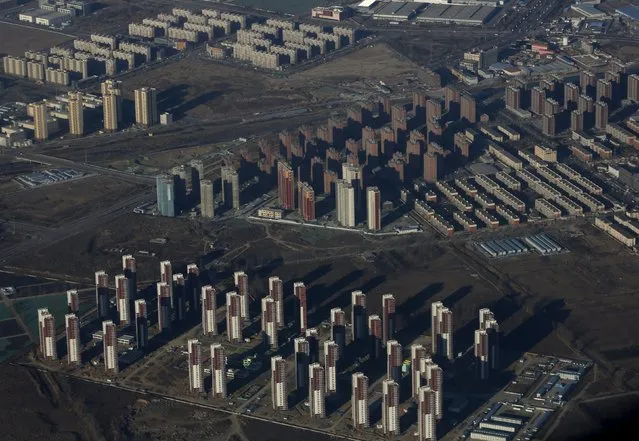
178	296
146	110
174	196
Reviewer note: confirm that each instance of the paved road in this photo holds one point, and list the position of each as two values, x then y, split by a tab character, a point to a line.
88	168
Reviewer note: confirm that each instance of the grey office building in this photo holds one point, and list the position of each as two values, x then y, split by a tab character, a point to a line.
230	188
165	195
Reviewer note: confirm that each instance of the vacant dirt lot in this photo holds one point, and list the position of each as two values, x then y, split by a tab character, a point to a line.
207	90
594	289
626	51
17	39
375	62
51	205
227	90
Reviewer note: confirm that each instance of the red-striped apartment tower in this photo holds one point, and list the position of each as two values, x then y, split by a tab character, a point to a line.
312	336
487	347
373	209
306	201
390	407
331	358
388	317
166	276
110	346
46	327
375	334
285	186
241	284
434	378
358	315
426	422
417	354
302	351
130	272
316	391
164	305
141	323
492	328
279	391
73	301
72	327
218	371
193	287
196	368
179	307
102	293
393	360
482	363
359	401
209	308
233	317
442	330
276	291
122	299
269	323
299	290
338	328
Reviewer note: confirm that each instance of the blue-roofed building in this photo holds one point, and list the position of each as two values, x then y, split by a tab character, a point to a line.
630	11
588	10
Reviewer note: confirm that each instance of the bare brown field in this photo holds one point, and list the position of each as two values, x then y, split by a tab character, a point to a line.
375	62
432	49
25	91
626	51
114	16
17	39
207	90
53	204
229	90
595	288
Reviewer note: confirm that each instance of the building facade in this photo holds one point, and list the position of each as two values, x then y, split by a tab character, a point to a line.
316	391
209	309
110	347
196	368
279	391
46	330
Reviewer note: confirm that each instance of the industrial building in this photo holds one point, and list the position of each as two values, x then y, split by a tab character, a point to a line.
502	248
334	13
44	17
396	11
474	15
543	244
